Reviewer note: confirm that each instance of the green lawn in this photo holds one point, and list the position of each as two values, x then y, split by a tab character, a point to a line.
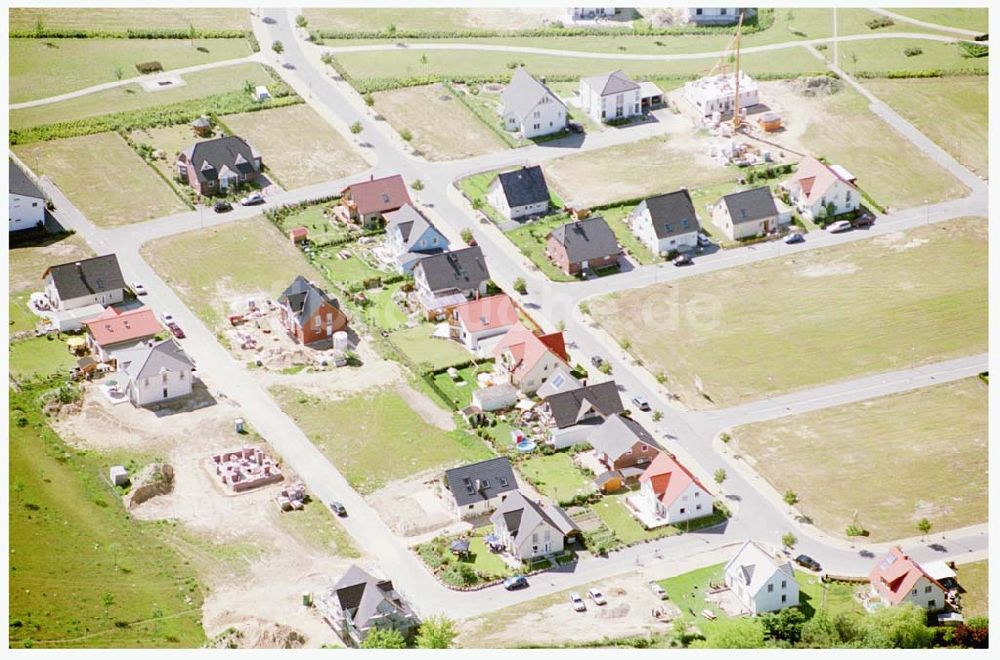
475	187
384	312
317	219
344	272
616	515
315	524
39	356
421	348
530	239
933	441
975	579
41	68
459	392
424	20
120	19
918	297
887	55
360	433
615	217
82	572
555	476
971	18
833	598
21	318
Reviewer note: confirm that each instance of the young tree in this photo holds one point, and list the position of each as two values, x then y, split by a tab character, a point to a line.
391	29
423	59
466	235
819	632
278	48
369	99
561	326
785	625
924	526
384	639
900	627
327	58
437	632
791	498
356	127
301	21
39	27
406	134
119	72
520	286
720	476
417	185
192	33
788	540
657	415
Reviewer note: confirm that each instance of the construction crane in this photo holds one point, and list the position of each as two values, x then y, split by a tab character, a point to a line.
721	66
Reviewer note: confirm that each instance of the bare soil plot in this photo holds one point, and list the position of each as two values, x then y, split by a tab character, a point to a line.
104	178
915	297
27	263
933	443
429	20
297	145
171	140
121	19
441	126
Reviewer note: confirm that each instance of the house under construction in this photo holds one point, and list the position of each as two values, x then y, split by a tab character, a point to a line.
725	92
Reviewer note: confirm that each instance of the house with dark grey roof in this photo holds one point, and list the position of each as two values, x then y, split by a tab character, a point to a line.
572	415
361	602
747	213
410	237
666	223
623	449
519	193
479	488
212	167
445	281
528	529
94	281
583	244
530	108
309	314
610	96
155	372
26	201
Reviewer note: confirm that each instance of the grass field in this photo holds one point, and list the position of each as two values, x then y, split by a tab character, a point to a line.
198	84
428	20
104	178
20	319
530	239
321	229
120	19
27	263
914	297
459	393
39	356
171	140
421	348
211	267
297	145
41	68
613	511
555	476
82	572
344	272
970	18
384	312
615	217
359	434
887	55
316	525
952	111
441	126
975	579
932	441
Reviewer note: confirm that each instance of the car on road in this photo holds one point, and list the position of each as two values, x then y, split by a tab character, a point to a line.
167	317
515	582
659	591
794	238
338	509
574	127
597	360
222	206
578	604
839	226
683	260
597	597
175	330
863	220
805	561
252	199
641	403
138	289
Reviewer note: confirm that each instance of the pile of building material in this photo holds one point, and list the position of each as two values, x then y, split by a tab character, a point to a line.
816	85
741	154
246	468
292	498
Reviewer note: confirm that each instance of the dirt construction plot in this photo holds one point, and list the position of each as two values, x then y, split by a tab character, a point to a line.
441	126
414	506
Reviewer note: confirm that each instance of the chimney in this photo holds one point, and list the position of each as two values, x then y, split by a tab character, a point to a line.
479	485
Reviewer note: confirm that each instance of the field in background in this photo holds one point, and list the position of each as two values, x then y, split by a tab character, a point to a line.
971	18
121	19
889	55
428	20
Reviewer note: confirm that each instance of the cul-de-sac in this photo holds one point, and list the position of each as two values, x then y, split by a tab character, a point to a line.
547	327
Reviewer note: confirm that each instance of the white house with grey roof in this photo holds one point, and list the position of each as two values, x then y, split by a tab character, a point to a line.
445	281
361	602
26	203
570	416
479	488
761	580
77	284
410	237
666	223
747	213
155	372
528	529
530	108
610	96
519	193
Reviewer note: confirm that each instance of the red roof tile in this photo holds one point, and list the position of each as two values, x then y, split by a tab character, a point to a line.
486	313
527	348
896	574
378	195
114	327
670	478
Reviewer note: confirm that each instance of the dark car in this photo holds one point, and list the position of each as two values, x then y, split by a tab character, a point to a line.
807	562
683	260
222	206
794	238
338	509
176	330
574	127
863	220
597	361
515	582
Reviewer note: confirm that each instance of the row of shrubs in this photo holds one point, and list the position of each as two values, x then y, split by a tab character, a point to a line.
972	50
880	22
145	33
922	73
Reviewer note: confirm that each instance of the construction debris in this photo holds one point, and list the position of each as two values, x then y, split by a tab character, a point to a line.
817	85
246	468
292	498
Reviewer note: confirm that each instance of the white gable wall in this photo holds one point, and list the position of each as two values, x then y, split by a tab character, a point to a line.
25	212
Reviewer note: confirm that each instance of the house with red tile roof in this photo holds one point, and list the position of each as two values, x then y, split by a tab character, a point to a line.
669	494
115	330
480	319
898	579
815	186
526	359
367	202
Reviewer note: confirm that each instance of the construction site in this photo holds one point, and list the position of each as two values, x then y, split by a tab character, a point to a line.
245	469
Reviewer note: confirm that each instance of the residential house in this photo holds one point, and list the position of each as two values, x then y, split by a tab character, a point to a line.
669	494
817	190
561	380
622	449
716	94
367	202
527	360
898	578
572	415
746	214
519	193
530	108
480	319
760	580
591	13
361	602
492	398
212	167
308	313
94	281
718	15
155	372
479	488
410	237
444	281
115	331
26	202
528	529
611	96
583	244
666	223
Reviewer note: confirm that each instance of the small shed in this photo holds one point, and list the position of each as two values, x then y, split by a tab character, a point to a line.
298	235
460	547
260	93
651	96
118	475
770	121
202	126
610	482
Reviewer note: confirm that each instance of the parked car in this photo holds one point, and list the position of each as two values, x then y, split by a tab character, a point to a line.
659	591
703	240
574	126
839	226
807	562
138	289
515	582
252	199
338	509
176	330
642	404
578	604
863	220
222	206
794	237
597	361
597	597
167	317
683	260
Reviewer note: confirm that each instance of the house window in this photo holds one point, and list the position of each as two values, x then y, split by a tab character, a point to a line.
537	114
927	589
317	321
783	583
470	507
698	12
628	452
329	317
723	11
697	507
164	393
914	592
784	598
770	588
644	448
537	126
697	493
683	510
181	376
931	603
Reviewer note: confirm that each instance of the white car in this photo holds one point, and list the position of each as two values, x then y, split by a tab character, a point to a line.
597	597
658	590
839	226
167	317
252	199
138	289
578	604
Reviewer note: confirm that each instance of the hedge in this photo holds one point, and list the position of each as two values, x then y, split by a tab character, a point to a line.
148	33
921	73
973	50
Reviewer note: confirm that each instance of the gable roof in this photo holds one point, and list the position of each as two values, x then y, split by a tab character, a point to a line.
618	434
567	408
585	240
815	179
896	574
524	93
753	566
615	82
463	269
486	313
378	195
231	153
19	183
410	222
362	596
114	327
560	381
521	516
304	299
146	361
87	277
481	481
750	205
669	213
526	348
669	478
524	186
